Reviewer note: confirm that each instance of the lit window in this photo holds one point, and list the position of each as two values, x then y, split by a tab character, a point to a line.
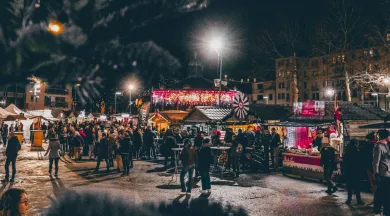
343	58
371	52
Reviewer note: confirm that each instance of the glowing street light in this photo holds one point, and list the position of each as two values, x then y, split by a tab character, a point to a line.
55	27
131	87
216	44
330	92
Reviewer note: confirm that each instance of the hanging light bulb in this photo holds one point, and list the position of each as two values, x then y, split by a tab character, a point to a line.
38	4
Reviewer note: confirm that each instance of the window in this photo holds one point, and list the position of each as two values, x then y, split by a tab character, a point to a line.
259	86
305	96
279	85
324	83
354	93
287	97
282	96
287	86
343	58
304	85
270	97
315	96
282	84
278	96
260	97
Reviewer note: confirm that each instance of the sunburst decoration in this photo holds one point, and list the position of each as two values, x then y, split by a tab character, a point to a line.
240	105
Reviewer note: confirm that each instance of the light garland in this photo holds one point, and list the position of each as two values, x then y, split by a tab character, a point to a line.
192	97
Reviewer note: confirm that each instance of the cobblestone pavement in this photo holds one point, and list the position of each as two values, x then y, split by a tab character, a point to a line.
259	194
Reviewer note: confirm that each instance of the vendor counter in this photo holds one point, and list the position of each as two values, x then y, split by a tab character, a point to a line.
304	166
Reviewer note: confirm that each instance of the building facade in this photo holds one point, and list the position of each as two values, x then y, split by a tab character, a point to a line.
317	78
263	92
13	94
40	96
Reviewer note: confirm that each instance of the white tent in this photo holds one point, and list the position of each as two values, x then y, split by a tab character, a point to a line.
16	111
44	113
5	113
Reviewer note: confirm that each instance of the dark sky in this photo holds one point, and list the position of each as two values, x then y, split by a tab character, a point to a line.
241	21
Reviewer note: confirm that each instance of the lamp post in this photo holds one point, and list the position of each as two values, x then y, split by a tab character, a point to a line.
216	45
131	88
116	93
55	27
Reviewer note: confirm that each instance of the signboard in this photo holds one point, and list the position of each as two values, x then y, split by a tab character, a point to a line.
144	114
309	108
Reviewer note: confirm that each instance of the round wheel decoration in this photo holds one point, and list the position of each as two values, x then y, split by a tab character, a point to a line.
240	105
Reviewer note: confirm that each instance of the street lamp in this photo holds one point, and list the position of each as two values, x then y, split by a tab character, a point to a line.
216	45
330	92
131	87
55	27
116	93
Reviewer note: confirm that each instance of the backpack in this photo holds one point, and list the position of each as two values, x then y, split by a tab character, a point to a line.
239	149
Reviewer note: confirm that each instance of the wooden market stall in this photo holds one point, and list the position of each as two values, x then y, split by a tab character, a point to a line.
298	131
166	119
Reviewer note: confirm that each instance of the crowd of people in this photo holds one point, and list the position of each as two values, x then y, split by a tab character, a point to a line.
120	143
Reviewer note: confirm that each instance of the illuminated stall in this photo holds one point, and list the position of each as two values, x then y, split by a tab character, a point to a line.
299	130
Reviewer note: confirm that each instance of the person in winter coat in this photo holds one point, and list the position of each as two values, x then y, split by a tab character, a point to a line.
205	159
4	134
198	142
148	139
64	141
53	151
103	151
229	135
126	153
89	141
266	140
274	145
354	170
235	155
137	142
11	153
77	143
189	158
328	161
168	144
381	168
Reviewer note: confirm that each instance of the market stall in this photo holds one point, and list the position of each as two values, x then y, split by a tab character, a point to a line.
298	132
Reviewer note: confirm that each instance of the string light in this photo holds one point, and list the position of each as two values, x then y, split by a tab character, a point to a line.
193	97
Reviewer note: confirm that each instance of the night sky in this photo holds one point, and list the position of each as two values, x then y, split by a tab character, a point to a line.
243	20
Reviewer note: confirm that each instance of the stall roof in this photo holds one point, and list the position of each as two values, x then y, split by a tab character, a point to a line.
207	113
270	112
16	111
349	110
298	124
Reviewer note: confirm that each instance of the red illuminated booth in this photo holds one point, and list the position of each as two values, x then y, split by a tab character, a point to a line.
297	134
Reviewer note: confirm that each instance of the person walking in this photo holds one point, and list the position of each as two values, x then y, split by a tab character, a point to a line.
103	151
44	128
148	139
189	158
11	153
368	152
4	134
381	164
274	145
111	144
118	158
168	144
205	160
64	141
235	155
198	142
126	153
353	170
14	202
266	140
53	151
77	143
329	163
137	142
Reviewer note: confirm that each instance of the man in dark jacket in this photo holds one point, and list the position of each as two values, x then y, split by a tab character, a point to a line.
189	158
329	163
148	139
205	159
228	135
4	134
125	149
102	152
11	153
168	144
198	142
274	145
266	140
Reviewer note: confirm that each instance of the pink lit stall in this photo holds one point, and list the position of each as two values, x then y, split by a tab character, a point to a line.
299	157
